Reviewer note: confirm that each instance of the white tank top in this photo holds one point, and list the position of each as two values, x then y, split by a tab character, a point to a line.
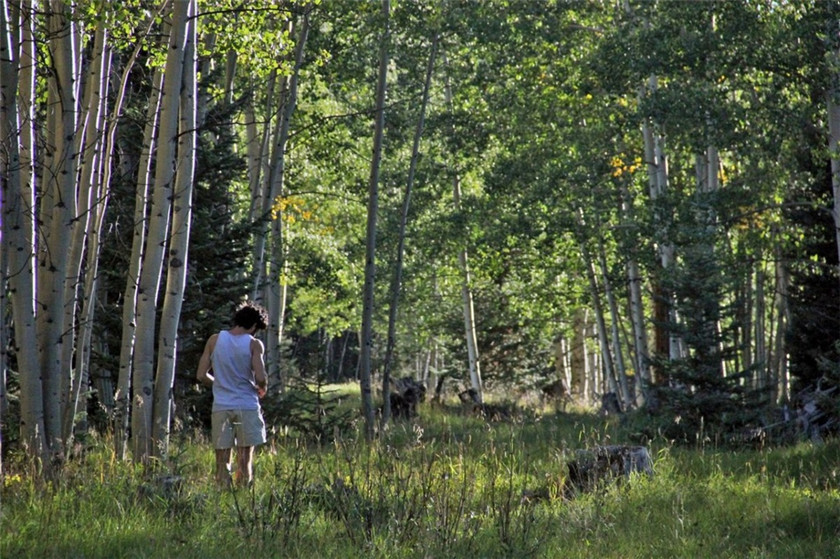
234	387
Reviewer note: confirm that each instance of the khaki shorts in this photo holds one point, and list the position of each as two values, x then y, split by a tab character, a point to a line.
237	428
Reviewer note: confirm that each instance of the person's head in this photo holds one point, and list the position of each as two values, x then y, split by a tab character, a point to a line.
249	314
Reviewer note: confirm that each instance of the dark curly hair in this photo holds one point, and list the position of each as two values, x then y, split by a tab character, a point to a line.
249	314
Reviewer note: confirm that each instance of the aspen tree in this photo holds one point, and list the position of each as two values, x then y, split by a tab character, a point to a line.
178	244
57	210
89	147
17	171
366	335
467	302
276	290
122	411
156	241
396	283
597	307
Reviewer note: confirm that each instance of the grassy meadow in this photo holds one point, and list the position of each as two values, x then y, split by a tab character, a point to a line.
443	485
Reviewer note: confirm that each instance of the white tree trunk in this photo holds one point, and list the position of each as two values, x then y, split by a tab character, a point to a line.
152	266
94	239
564	359
579	357
122	400
18	179
57	212
615	320
469	317
259	178
641	355
278	267
8	115
257	148
176	276
657	169
470	334
758	355
266	182
640	340
600	322
779	362
267	179
90	152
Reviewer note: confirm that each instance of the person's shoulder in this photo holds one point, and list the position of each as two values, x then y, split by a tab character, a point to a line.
256	344
210	345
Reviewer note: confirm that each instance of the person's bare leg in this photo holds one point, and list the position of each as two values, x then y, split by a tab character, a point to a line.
245	465
223	467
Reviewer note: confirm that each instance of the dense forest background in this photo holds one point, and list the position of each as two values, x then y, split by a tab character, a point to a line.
636	198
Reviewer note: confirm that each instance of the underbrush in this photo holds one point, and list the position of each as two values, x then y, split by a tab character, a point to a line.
442	485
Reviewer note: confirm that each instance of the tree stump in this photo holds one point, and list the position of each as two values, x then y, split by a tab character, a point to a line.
594	467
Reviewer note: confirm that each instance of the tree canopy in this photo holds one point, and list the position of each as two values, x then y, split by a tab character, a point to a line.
630	195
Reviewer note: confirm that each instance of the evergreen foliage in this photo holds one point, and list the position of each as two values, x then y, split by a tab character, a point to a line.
812	256
310	409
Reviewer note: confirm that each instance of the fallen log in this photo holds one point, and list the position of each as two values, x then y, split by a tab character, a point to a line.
594	468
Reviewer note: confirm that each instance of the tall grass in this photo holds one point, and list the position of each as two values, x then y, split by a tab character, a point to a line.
445	485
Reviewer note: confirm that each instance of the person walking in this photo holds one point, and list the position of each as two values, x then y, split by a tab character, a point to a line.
233	364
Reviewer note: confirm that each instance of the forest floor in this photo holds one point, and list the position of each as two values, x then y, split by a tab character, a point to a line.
443	484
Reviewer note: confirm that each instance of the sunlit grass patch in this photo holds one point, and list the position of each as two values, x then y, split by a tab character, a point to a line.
443	484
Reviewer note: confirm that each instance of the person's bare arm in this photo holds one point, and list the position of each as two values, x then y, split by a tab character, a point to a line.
205	363
258	366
